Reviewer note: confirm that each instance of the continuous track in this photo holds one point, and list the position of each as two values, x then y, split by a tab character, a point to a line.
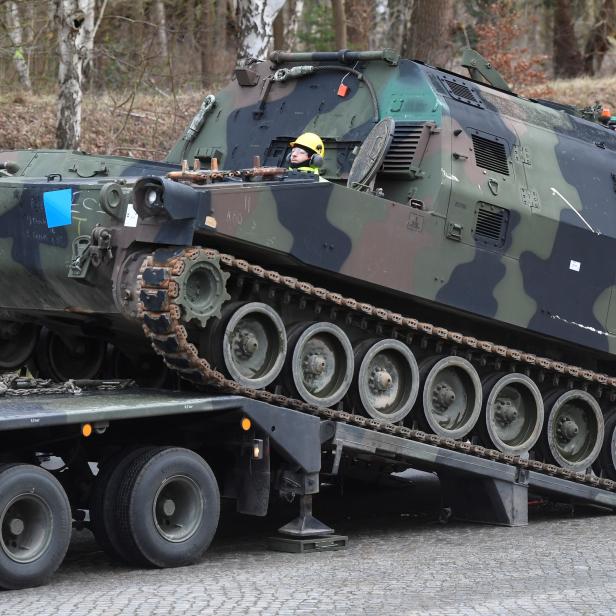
161	316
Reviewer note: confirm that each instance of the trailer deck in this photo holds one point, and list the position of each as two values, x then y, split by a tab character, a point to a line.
491	492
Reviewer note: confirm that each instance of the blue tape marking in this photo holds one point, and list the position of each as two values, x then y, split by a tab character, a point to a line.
58	205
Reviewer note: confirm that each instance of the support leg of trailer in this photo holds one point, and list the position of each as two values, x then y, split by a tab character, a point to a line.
486	499
305	524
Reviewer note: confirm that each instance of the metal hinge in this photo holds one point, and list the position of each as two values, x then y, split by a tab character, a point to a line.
521	154
530	198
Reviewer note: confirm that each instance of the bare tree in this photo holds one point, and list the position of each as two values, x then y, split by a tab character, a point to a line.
398	17
293	10
279	31
598	42
568	61
15	32
255	26
286	24
160	19
427	35
76	28
340	24
362	22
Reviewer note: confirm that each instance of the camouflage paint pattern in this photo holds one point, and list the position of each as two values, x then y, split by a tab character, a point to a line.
502	220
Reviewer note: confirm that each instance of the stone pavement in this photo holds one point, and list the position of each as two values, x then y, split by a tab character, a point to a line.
402	564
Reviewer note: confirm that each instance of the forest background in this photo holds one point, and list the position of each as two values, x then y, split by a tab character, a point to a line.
125	76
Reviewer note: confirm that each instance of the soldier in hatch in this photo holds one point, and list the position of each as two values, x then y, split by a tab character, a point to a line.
307	153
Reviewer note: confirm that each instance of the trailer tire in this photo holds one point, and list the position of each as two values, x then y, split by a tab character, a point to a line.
168	507
35	525
103	511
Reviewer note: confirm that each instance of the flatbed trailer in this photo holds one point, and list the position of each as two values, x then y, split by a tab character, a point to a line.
145	469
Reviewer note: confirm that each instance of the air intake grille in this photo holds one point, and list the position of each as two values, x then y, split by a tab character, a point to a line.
461	92
406	149
459	89
491	225
491	155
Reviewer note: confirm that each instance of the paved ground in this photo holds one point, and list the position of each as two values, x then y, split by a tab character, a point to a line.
395	564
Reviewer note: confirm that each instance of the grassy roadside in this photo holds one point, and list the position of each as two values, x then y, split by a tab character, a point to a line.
147	126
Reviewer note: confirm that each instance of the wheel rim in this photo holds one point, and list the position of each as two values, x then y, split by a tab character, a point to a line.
452	397
388	380
255	345
575	430
178	508
26	528
81	358
17	343
322	364
514	413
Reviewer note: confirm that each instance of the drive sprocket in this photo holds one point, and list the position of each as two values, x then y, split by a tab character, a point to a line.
200	286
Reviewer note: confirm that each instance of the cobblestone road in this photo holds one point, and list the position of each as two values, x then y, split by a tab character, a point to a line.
394	565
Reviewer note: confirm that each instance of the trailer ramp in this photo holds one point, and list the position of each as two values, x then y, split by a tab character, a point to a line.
477	489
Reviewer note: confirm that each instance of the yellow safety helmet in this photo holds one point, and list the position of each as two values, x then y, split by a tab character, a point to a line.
310	141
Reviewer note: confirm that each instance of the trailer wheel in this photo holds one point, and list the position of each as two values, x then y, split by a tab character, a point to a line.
168	507
103	513
35	525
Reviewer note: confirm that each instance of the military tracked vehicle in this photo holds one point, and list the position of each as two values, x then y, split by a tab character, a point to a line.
445	277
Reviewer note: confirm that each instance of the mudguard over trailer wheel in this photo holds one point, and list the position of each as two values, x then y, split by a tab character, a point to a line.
168	506
35	525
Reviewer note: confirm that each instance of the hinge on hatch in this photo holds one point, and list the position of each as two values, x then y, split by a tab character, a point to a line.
530	198
521	154
90	250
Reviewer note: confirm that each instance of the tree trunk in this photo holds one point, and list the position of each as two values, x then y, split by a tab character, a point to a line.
75	28
567	57
427	36
399	15
279	28
221	25
598	42
160	19
293	12
207	39
362	22
340	24
190	23
255	27
15	32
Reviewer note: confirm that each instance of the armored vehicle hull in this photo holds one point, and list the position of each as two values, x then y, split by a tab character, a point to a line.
451	274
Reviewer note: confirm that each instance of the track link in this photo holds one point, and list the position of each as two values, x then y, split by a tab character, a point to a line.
161	318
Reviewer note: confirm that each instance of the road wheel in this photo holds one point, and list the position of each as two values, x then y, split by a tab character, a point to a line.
168	507
512	413
573	432
103	513
386	381
35	525
451	396
320	364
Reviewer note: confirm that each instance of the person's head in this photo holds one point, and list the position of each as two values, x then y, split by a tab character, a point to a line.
307	149
299	155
